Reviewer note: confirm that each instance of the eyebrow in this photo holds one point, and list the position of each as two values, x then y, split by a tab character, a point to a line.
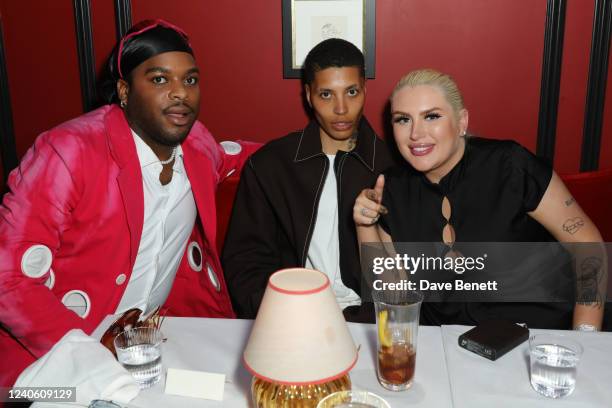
346	89
157	69
425	112
166	70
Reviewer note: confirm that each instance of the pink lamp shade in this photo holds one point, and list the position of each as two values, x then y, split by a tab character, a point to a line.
300	335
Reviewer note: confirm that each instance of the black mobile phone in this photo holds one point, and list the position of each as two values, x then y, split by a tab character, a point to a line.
493	338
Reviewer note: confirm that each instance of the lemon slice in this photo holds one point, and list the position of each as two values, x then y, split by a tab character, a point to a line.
383	330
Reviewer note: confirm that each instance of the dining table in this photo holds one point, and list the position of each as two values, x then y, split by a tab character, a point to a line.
446	374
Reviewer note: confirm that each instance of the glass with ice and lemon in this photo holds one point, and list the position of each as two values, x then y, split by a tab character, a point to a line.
397	323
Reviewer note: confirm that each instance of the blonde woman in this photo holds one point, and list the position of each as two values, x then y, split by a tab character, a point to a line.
455	188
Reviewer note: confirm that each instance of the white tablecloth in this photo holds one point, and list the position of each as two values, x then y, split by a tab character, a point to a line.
480	383
446	375
216	345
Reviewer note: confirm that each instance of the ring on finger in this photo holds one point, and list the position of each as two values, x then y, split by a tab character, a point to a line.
363	211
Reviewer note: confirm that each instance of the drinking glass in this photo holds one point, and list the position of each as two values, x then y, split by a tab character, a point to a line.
353	399
397	321
139	351
553	364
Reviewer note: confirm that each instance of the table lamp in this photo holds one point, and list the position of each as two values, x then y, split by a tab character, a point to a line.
300	348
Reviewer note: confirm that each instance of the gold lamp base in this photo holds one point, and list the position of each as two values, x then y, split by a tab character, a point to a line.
273	395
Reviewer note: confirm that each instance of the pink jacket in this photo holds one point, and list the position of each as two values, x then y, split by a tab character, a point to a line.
78	192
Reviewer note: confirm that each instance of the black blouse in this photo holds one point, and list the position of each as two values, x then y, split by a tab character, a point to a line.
491	190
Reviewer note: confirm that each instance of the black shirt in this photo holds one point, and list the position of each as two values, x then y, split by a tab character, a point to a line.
491	190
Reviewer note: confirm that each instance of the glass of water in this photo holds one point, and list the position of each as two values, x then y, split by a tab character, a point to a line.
139	351
553	363
353	399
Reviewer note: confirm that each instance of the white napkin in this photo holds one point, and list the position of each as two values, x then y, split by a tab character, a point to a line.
80	361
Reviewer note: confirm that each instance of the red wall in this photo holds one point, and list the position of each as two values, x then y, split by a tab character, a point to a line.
103	28
497	66
492	47
239	47
42	66
2	184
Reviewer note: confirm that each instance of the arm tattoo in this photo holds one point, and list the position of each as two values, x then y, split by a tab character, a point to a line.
570	201
588	281
572	225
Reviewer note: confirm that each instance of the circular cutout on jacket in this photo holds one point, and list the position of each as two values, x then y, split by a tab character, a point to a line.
50	282
194	256
36	261
77	301
212	276
231	148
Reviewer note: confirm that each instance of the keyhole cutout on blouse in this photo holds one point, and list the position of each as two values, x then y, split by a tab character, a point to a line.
448	232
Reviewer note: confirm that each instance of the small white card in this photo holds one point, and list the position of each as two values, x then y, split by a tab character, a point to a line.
195	384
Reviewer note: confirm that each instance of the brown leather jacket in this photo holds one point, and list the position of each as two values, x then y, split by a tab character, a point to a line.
276	208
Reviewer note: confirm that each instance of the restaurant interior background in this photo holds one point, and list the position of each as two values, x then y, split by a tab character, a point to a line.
503	53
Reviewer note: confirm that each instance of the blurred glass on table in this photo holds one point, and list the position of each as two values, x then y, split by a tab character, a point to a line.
353	399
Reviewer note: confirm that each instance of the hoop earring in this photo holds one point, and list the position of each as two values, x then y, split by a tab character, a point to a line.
123	104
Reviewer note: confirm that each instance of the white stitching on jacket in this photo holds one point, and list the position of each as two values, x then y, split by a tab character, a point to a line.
315	205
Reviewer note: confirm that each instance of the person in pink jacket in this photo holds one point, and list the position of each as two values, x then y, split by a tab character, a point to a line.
116	209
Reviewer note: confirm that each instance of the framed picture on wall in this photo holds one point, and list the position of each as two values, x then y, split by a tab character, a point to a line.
308	22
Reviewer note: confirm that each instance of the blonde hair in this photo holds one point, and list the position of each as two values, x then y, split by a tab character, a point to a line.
431	77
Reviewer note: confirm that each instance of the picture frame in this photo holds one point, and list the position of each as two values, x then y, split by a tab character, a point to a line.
308	22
